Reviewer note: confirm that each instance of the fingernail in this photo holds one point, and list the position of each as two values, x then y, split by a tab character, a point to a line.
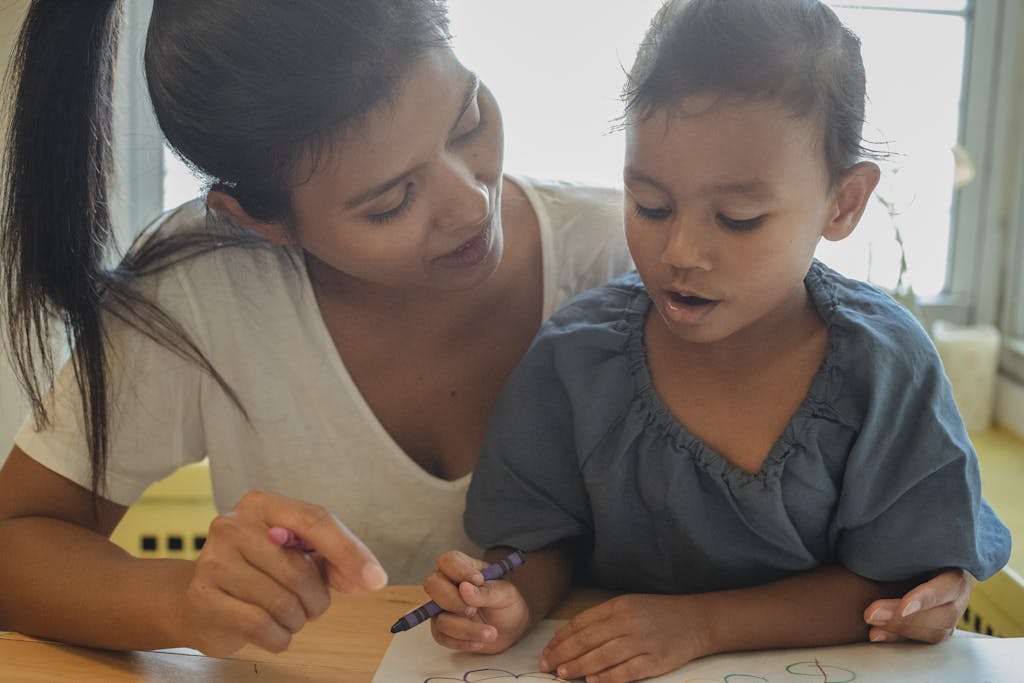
543	666
911	608
470	611
881	615
880	637
375	576
563	672
490	635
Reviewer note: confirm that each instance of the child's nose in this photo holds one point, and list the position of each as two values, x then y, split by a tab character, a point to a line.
688	246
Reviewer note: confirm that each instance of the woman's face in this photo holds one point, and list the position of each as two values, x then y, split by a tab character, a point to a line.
409	198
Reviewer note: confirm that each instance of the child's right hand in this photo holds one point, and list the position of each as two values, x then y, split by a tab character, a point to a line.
246	589
480	616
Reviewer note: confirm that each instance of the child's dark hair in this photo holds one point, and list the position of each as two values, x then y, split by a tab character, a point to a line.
244	91
794	52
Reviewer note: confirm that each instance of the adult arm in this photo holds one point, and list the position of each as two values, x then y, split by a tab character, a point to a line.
66	581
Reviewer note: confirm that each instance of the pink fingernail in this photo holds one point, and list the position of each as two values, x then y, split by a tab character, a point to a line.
881	615
913	607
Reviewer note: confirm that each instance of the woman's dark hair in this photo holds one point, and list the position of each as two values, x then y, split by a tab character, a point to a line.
244	90
794	52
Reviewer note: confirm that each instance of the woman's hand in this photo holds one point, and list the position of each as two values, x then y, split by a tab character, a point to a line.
929	612
480	616
247	589
628	638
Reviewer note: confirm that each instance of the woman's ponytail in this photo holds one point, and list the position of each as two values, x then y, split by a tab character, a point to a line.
55	223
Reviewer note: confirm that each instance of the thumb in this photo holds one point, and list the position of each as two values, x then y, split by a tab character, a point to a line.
491	594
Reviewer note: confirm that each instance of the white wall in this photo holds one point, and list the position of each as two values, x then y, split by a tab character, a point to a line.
12	406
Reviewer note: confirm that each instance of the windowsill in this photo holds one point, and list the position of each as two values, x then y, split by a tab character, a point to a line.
1001	458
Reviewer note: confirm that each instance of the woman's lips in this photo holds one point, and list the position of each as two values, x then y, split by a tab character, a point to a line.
470	252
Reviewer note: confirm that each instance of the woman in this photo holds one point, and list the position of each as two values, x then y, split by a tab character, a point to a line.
332	334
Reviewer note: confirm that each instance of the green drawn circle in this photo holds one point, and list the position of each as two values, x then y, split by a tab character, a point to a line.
818	668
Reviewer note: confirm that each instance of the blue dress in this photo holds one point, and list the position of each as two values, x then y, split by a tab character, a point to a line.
874	470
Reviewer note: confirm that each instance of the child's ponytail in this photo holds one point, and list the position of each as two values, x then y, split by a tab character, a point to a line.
55	227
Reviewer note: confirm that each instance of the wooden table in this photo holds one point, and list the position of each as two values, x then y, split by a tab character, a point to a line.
343	646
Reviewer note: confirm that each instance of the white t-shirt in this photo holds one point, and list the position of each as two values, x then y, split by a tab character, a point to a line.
309	434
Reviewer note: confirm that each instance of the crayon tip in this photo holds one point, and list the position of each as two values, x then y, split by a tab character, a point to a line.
400	626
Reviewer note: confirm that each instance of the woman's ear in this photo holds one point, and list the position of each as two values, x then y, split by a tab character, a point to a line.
223	203
850	199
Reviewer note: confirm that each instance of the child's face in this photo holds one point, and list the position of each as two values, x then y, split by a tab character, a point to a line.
410	198
725	204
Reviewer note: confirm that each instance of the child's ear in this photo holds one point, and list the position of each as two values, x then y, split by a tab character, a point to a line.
222	202
850	198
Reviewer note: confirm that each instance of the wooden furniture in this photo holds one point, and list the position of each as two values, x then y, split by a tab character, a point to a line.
343	646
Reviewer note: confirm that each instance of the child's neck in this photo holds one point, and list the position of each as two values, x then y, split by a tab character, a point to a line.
739	395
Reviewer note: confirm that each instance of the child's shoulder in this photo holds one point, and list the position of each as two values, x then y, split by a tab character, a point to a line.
608	305
875	338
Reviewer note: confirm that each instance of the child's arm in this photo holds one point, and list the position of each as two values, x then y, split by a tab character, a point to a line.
64	580
640	636
489	617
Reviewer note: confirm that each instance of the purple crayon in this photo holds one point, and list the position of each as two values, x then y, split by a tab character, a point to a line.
432	609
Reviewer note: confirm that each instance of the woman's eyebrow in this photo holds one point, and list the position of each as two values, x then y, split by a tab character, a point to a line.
471	91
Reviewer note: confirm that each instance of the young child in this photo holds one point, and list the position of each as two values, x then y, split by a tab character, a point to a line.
733	414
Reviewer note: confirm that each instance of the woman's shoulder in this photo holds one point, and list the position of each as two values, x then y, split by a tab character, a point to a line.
188	260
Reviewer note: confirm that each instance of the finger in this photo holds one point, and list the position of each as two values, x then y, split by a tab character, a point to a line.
232	623
446	594
234	542
464	629
493	594
297	571
444	639
606	657
641	666
459	567
230	573
351	565
947	587
584	640
580	622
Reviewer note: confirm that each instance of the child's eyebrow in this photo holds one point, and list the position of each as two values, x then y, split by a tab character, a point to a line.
754	189
631	175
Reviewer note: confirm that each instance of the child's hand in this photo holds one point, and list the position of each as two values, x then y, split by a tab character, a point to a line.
928	613
628	638
246	589
480	616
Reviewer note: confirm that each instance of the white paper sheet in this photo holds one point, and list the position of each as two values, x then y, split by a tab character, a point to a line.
414	657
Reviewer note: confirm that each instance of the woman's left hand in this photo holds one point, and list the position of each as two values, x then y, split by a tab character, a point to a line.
628	638
928	613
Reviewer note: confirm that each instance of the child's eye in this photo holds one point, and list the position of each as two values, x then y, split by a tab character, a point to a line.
397	211
651	214
739	225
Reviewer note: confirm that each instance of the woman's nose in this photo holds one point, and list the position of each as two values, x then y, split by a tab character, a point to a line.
466	199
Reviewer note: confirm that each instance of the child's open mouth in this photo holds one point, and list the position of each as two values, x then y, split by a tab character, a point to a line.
689	300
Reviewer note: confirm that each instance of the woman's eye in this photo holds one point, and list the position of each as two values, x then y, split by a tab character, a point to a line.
397	211
649	214
474	120
739	225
